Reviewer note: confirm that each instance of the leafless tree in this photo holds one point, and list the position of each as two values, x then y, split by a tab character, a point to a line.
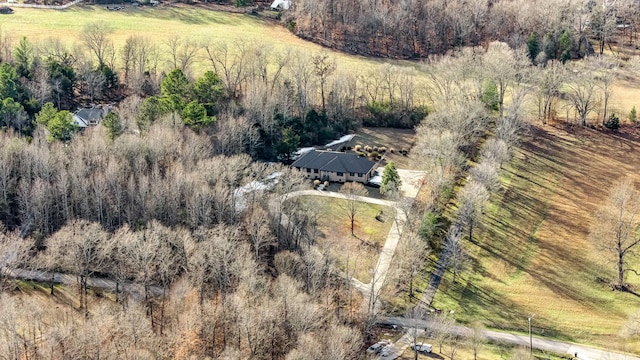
76	248
95	36
549	80
183	53
456	255
352	191
323	67
615	230
13	252
230	63
473	197
440	328
582	94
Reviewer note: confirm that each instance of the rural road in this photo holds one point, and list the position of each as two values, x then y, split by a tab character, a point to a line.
584	352
135	290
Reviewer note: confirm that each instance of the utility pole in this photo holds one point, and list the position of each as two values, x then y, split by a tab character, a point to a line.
530	335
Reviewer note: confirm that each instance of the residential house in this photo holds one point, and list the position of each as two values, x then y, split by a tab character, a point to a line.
335	166
89	116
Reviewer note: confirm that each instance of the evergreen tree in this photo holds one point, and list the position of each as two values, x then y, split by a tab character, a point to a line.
113	124
533	46
390	179
23	57
633	117
195	116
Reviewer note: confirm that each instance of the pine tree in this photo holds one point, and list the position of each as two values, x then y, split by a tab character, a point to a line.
390	179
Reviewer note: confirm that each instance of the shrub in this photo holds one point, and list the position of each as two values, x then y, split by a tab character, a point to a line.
633	116
361	153
357	148
316	183
613	123
326	184
367	148
392	150
382	149
375	148
291	26
374	155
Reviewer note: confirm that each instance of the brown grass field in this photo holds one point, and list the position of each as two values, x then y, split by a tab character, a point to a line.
390	138
533	255
362	250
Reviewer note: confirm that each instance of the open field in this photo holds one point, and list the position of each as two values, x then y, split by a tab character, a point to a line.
160	23
362	250
533	255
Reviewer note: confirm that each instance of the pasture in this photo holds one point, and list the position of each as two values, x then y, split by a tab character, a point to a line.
532	254
158	24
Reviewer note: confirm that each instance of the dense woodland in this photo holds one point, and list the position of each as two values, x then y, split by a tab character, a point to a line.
151	195
418	29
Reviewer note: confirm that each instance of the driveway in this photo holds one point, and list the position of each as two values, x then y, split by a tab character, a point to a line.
372	289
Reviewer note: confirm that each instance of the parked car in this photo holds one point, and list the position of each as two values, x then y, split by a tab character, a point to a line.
378	347
375	348
422	347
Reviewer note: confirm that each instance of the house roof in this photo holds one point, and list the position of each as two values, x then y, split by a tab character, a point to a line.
85	116
334	161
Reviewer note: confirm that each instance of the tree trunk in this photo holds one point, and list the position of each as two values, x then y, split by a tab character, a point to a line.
620	270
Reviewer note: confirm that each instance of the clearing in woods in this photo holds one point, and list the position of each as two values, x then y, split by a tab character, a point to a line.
532	254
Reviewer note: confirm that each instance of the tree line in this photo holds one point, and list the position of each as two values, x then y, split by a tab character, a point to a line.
417	29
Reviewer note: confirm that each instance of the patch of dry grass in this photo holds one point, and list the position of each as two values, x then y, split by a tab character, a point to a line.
396	139
359	252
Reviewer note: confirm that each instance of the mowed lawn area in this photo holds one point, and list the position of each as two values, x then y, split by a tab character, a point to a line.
360	251
532	254
158	24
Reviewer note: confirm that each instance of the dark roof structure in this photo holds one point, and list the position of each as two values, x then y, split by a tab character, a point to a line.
89	116
334	161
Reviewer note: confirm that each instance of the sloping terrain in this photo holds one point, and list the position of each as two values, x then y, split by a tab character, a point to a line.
533	254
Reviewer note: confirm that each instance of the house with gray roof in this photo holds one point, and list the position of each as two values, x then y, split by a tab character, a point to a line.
89	116
335	166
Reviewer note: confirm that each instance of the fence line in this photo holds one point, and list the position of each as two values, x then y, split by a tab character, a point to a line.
37	6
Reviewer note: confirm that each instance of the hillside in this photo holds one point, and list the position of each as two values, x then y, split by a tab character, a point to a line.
534	255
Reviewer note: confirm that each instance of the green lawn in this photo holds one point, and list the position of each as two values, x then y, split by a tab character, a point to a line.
532	254
362	250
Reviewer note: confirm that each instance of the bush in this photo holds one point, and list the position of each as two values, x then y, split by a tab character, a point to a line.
633	116
392	150
361	153
367	148
613	123
326	184
374	155
357	148
316	183
291	26
382	149
375	148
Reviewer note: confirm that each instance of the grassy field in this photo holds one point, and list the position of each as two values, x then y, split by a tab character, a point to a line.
362	250
160	23
533	256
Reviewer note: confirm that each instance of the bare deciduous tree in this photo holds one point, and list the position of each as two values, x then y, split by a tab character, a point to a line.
95	36
615	229
352	191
